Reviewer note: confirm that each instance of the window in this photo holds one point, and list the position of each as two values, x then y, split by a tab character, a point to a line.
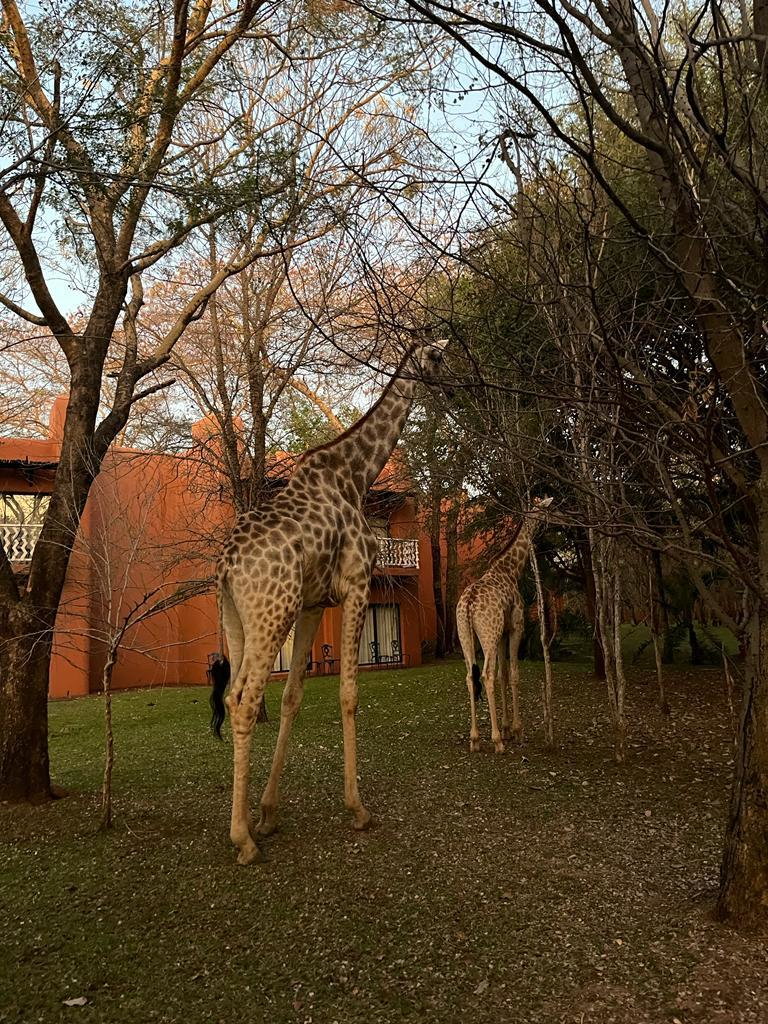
21	519
380	640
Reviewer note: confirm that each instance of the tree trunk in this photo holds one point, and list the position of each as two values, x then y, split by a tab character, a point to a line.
109	740
437	577
654	599
451	572
24	663
697	655
608	609
662	605
584	555
617	670
732	718
26	623
744	868
663	702
546	632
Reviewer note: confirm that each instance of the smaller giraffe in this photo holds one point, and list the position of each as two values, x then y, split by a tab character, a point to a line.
491	610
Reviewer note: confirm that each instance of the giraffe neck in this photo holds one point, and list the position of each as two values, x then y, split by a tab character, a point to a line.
360	453
512	561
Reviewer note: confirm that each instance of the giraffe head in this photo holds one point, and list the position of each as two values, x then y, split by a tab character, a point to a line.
427	359
428	355
540	507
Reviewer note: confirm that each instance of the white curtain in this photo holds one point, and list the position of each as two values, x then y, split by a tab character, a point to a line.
380	639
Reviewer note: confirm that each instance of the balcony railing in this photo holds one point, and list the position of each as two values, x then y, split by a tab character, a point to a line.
397	554
19	539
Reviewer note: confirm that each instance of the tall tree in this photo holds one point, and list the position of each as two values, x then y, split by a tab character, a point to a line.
122	143
652	98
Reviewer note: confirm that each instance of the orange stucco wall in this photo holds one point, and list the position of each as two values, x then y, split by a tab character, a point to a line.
154	522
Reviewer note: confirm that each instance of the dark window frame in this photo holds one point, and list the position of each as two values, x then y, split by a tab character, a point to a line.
385	659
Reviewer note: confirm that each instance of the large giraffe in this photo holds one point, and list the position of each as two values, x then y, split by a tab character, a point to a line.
307	548
491	610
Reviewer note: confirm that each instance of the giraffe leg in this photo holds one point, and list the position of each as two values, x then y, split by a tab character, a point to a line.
489	677
501	660
355	607
467	641
235	637
233	631
243	703
515	636
242	718
474	732
306	627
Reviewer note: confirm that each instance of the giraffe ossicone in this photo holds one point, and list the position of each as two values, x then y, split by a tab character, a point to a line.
307	548
491	610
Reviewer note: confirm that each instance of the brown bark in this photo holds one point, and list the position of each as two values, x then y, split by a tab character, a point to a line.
743	894
26	620
25	642
109	738
760	8
663	702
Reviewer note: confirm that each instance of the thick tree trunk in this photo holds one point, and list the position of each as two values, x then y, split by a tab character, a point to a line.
25	647
744	868
26	623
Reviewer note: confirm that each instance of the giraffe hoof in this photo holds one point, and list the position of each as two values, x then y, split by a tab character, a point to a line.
249	853
499	747
362	821
506	734
266	826
474	746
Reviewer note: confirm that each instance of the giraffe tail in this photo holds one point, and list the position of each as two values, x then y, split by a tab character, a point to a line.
477	685
219	673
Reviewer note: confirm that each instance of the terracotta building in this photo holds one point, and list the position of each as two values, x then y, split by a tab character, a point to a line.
151	528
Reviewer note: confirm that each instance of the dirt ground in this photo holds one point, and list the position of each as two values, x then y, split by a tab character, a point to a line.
539	886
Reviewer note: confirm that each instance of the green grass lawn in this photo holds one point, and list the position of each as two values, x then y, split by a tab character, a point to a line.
541	886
